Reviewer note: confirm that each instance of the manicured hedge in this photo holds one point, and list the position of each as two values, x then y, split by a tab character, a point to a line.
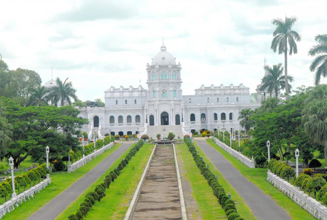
99	191
22	181
281	169
227	204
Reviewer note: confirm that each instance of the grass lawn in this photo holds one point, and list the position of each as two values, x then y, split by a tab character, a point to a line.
60	181
258	176
242	208
116	202
209	207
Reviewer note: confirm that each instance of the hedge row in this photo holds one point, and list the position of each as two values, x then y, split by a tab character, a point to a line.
227	204
100	189
89	148
24	180
281	169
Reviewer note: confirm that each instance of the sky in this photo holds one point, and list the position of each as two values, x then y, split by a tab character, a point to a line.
102	43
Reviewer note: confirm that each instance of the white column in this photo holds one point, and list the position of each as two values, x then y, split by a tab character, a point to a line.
297	154
268	146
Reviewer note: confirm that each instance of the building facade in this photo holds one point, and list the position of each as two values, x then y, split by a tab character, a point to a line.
162	108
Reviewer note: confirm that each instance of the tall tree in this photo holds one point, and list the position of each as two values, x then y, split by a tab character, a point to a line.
274	79
5	132
319	64
245	118
315	116
62	92
284	41
39	96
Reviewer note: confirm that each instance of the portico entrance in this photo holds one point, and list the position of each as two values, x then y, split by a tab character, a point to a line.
164	118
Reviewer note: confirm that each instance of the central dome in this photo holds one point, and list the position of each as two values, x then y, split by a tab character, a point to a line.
163	58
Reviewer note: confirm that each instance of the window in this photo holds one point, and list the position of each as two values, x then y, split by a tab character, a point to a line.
227	99
231	116
129	133
116	102
137	119
163	75
154	94
203	118
192	117
129	119
96	121
215	116
217	99
236	99
120	119
173	75
177	120
154	77
208	100
125	101
223	116
189	100
164	93
112	120
174	93
135	102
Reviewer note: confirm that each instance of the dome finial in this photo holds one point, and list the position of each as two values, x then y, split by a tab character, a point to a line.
163	47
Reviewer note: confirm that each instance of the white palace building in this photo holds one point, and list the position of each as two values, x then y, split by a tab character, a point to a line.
162	108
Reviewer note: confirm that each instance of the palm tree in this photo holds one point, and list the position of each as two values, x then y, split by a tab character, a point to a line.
62	92
320	62
274	79
315	116
245	117
39	96
284	36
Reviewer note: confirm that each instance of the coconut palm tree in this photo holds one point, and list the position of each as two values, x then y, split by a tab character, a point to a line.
285	41
320	62
315	116
274	80
62	92
39	96
245	117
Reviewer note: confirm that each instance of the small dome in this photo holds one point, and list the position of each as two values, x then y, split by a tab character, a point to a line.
163	58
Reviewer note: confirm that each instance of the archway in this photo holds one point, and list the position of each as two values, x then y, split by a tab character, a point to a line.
151	120
164	118
96	121
177	119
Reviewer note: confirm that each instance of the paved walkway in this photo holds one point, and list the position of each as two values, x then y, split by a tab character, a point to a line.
57	205
262	206
159	198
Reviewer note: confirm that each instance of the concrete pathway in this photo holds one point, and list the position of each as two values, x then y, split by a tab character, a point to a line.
159	198
262	206
57	205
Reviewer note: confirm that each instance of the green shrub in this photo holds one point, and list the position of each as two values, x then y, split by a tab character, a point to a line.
79	215
324	199
321	192
308	171
233	216
314	163
228	212
315	184
171	135
300	178
72	217
305	183
287	172
229	207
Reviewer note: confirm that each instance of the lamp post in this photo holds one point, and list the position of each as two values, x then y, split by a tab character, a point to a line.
297	154
83	145
268	146
94	140
47	153
11	164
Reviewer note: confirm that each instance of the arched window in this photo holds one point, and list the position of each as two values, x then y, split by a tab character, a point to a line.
137	119
125	101
96	121
129	133
121	133
208	100
112	120
223	116
151	120
120	120
173	75
215	116
135	102
217	99
236	99
129	120
189	100
192	117
231	116
116	102
154	77
227	99
203	118
177	119
112	133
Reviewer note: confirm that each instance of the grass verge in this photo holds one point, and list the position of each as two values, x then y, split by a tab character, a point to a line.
208	205
242	208
258	176
116	202
59	182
